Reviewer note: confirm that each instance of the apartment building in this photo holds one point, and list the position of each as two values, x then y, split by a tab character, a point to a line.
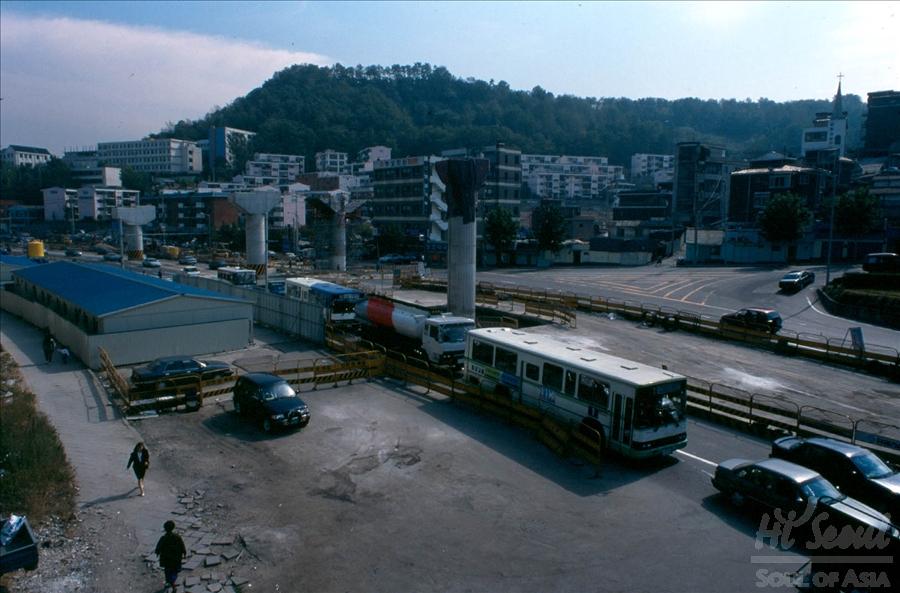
331	161
409	194
97	203
561	177
60	204
160	156
24	156
645	165
882	128
702	184
283	168
222	142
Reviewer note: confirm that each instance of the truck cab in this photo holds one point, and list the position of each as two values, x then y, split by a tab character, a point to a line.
444	338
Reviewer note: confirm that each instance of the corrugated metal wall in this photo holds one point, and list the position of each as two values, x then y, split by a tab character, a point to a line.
304	320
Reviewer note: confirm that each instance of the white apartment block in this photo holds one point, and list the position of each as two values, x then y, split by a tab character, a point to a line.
28	156
568	177
60	203
158	155
331	161
370	154
647	165
97	203
221	141
284	168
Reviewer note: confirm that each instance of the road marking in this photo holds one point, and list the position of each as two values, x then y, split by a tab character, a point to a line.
813	307
692	456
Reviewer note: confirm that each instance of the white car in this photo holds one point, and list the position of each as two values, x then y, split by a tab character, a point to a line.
190	270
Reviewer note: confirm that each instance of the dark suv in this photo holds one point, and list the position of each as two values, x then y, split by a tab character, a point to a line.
764	320
270	400
856	471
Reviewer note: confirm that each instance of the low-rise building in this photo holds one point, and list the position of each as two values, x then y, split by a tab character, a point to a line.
646	166
60	204
97	202
331	161
25	156
160	156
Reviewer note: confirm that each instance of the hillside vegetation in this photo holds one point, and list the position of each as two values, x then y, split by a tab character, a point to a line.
422	109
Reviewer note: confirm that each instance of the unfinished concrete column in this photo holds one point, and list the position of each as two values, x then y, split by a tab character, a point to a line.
463	178
132	219
256	205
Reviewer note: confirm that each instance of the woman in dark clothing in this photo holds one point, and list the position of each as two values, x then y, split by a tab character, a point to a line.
170	549
140	460
49	347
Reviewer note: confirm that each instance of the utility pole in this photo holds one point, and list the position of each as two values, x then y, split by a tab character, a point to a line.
834	182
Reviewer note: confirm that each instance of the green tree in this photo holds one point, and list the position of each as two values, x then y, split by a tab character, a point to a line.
548	226
783	218
856	214
391	239
139	180
500	230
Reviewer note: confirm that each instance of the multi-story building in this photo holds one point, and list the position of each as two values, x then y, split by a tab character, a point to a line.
752	188
86	170
60	204
24	156
282	168
160	156
882	128
97	203
568	177
370	154
645	165
222	142
702	184
829	130
331	161
409	194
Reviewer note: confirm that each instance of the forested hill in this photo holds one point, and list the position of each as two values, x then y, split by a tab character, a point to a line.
421	109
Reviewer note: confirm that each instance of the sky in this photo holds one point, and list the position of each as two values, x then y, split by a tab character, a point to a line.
76	73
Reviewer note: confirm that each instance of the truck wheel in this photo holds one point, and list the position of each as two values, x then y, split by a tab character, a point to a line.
267	425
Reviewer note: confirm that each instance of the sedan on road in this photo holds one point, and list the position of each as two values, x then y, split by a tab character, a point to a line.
187	260
73	253
764	320
172	369
112	257
151	262
270	400
854	470
786	486
796	280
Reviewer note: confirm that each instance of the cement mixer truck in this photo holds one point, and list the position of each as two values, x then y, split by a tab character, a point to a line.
439	338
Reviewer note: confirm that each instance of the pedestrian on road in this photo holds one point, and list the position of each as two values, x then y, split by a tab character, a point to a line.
140	460
170	549
49	347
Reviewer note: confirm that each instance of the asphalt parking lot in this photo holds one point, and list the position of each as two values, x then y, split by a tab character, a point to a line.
390	490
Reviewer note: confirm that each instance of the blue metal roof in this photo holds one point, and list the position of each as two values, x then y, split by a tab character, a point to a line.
17	260
101	289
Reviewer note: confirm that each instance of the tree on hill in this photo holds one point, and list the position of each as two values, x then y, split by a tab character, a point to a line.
423	109
548	226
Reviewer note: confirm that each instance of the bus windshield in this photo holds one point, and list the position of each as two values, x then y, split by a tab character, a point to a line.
660	405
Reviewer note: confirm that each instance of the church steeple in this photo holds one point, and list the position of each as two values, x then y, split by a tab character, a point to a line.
837	111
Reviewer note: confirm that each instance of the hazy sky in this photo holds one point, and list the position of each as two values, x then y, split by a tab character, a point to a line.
76	73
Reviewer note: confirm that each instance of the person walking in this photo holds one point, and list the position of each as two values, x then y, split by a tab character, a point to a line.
171	551
140	461
49	346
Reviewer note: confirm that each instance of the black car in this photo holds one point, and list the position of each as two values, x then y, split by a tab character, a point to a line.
215	264
174	369
764	320
73	253
780	484
854	470
796	280
270	400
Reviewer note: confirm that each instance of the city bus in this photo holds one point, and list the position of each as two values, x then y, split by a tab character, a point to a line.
639	410
238	276
338	301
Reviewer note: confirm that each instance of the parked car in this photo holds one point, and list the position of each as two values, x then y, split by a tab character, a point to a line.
780	484
270	400
796	280
73	253
765	320
854	470
112	257
173	369
190	271
100	250
395	259
151	262
187	260
217	263
881	262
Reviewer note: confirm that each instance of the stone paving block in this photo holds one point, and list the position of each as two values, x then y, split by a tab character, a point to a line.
222	541
203	550
191	581
212	561
229	553
193	562
206	576
214	587
239	581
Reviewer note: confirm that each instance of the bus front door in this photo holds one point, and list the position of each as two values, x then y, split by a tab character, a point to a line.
621	420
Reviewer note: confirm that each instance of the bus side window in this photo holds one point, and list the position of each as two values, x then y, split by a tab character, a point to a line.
553	376
571	382
532	371
483	352
591	390
506	360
